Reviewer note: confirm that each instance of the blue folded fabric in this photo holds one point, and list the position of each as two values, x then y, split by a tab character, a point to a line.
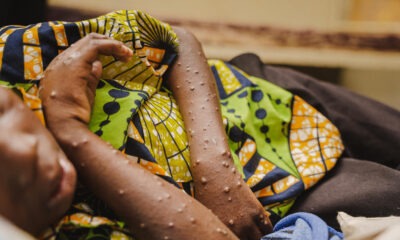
303	226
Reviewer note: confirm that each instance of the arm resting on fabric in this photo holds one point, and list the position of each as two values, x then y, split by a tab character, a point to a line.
217	183
152	208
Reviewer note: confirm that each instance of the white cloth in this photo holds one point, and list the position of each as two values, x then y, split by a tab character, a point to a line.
9	231
363	228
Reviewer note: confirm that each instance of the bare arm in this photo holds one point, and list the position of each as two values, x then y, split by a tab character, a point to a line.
217	183
152	208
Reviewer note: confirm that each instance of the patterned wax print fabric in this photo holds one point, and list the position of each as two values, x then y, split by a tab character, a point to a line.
280	144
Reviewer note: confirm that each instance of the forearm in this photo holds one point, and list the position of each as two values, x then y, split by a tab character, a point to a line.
194	88
218	185
139	197
152	208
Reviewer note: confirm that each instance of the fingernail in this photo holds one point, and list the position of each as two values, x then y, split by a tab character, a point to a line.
129	51
128	54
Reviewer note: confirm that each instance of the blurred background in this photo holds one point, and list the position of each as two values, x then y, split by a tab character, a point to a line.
353	43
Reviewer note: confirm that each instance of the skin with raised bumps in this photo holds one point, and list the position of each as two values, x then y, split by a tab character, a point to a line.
216	176
148	213
36	178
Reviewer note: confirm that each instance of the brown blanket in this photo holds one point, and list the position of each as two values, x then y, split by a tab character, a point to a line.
366	179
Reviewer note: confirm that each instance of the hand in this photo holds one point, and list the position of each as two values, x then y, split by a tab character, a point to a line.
37	181
229	197
70	81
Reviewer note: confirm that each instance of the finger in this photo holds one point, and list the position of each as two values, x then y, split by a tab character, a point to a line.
21	157
97	69
114	48
8	100
97	36
93	45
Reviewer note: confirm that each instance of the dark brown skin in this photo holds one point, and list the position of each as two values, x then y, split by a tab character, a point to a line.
37	181
218	185
164	212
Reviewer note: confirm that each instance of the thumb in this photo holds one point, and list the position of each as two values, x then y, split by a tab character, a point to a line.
97	69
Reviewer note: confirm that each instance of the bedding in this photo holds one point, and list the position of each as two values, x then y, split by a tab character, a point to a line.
283	141
280	143
365	179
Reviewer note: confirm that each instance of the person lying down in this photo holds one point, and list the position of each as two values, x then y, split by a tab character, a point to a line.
241	146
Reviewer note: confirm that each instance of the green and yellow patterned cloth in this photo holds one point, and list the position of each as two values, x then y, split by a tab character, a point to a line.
281	144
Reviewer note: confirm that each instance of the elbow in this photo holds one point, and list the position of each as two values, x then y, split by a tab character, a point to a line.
185	35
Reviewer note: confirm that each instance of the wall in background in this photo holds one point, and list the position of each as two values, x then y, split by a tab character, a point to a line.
382	85
32	11
352	15
367	71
